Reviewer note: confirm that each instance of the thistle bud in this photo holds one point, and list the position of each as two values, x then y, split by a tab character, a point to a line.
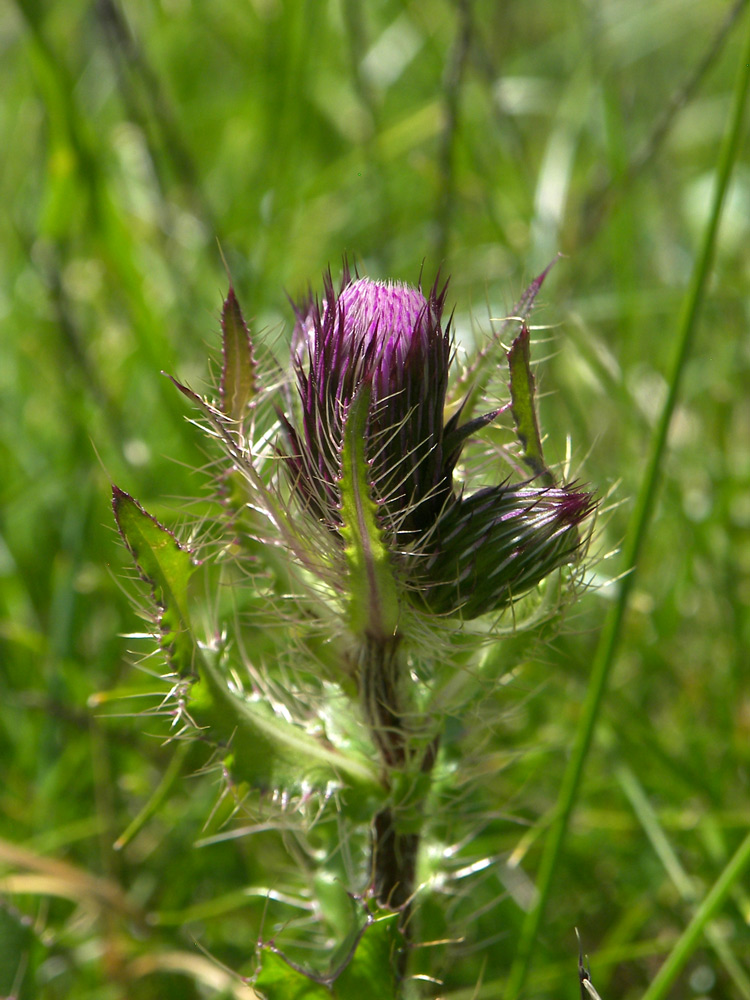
385	339
385	345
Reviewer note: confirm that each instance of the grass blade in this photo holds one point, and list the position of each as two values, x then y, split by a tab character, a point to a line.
679	877
705	913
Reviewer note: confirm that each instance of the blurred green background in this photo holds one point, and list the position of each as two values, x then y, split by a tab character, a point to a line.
476	136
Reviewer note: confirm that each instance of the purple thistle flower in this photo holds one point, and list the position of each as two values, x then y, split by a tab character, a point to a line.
389	338
453	554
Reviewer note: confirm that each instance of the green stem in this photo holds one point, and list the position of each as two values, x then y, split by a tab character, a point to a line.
406	768
611	634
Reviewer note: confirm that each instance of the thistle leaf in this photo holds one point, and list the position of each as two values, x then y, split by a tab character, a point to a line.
166	567
373	595
264	748
365	972
238	373
369	975
279	981
523	407
470	389
264	498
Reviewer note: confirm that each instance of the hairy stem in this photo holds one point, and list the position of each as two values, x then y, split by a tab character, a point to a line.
396	829
394	861
380	690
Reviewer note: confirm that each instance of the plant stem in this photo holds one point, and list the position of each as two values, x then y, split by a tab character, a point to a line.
380	691
394	862
396	828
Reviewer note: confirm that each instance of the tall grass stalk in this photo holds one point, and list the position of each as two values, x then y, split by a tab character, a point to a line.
608	645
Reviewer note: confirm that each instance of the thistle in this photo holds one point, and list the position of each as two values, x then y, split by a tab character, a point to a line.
370	456
343	476
373	362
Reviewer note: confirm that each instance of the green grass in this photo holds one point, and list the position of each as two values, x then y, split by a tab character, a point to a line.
481	138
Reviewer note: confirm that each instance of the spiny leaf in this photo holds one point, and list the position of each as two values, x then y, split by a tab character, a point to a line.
264	498
370	974
365	972
373	603
523	406
167	567
279	981
265	749
470	388
238	373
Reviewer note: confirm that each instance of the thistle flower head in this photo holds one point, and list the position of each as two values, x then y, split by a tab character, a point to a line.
386	340
382	348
